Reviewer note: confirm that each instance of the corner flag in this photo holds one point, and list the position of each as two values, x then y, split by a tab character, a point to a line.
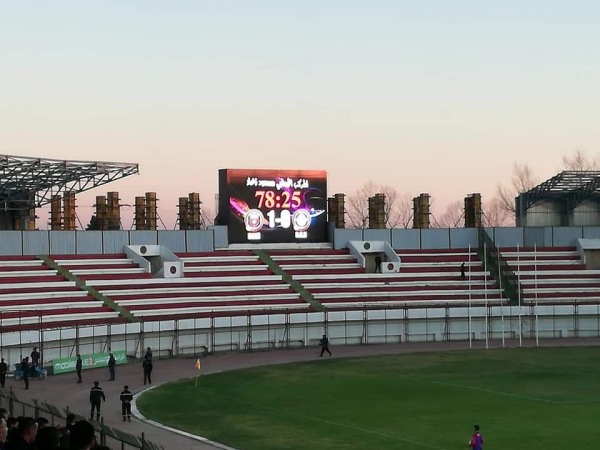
198	364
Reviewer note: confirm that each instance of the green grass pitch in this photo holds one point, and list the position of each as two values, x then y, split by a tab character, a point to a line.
523	399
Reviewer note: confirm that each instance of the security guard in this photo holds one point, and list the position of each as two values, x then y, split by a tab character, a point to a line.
126	399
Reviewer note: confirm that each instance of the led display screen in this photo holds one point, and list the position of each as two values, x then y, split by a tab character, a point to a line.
273	206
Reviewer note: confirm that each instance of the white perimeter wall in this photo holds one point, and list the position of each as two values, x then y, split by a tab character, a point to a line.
197	336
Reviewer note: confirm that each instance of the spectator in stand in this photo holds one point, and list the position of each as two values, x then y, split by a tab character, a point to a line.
82	436
147	367
96	398
3	370
112	362
35	357
48	438
3	433
462	271
25	436
378	262
126	399
78	367
25	370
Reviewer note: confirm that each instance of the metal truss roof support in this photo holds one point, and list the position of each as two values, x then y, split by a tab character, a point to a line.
27	182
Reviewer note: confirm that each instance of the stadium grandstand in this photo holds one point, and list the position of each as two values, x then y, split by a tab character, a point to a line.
278	271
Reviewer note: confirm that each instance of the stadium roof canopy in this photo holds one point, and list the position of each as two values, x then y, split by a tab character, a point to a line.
27	182
570	186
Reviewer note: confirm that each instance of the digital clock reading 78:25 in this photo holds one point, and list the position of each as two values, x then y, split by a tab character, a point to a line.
283	199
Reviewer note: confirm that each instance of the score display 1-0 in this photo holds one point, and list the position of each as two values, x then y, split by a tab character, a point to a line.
254	220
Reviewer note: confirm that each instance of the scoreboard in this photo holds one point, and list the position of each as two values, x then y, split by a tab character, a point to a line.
262	205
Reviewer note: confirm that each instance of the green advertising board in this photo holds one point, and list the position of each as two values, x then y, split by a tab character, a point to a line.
93	361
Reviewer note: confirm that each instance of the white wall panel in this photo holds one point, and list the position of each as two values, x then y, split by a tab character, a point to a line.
11	243
534	236
508	237
464	237
200	240
143	237
566	236
406	238
114	241
221	239
63	242
435	238
173	240
377	235
89	242
36	243
343	235
591	232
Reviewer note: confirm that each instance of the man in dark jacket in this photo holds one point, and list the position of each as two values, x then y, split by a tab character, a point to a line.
96	398
79	367
25	435
25	369
3	370
324	343
112	362
35	357
126	399
147	367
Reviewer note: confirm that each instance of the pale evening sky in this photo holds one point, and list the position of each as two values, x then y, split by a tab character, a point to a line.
433	96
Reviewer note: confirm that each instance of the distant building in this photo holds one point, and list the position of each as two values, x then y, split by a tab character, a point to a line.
571	198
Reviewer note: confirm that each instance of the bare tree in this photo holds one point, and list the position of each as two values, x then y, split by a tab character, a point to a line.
494	214
522	180
398	207
451	217
580	162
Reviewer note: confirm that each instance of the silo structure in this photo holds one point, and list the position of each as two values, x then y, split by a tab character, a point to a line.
56	213
140	213
151	211
69	212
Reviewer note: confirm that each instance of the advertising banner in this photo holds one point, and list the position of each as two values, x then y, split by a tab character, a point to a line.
95	360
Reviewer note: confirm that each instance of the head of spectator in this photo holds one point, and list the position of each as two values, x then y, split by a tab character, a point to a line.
12	423
82	436
42	422
48	438
70	421
27	429
4	414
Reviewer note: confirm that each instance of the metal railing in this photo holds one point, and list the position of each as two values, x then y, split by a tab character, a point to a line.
38	408
499	267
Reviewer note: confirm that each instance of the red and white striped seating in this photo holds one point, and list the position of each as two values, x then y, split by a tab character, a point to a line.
222	283
337	281
33	296
553	274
